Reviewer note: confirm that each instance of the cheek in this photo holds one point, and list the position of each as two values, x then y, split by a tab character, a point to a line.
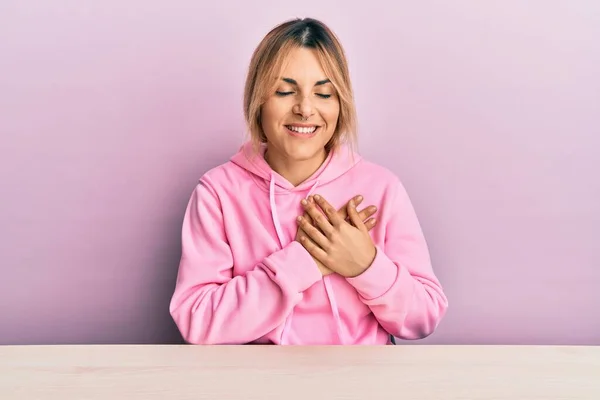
331	114
266	114
271	116
273	112
267	120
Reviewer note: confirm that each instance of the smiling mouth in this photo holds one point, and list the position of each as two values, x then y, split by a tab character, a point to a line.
302	130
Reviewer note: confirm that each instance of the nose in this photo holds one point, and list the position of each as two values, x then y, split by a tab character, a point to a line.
305	107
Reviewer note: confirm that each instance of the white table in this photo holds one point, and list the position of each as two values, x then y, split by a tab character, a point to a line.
280	372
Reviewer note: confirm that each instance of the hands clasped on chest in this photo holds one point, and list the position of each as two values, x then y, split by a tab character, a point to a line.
338	240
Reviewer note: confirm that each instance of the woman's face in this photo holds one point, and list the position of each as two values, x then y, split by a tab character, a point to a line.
302	91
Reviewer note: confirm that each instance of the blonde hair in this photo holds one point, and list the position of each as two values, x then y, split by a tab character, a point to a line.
269	59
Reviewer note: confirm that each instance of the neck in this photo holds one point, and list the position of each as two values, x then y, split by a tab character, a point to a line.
295	171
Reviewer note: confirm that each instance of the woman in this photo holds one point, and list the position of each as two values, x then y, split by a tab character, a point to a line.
274	249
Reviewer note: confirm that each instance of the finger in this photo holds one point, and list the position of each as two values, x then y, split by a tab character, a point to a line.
365	213
313	249
354	218
313	233
370	223
319	220
329	211
343	212
310	221
308	218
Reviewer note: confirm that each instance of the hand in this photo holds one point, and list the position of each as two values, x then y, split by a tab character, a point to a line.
343	213
343	247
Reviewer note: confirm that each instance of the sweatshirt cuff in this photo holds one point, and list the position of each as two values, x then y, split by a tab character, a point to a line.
377	279
297	266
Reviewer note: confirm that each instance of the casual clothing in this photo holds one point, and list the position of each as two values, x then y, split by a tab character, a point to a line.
244	279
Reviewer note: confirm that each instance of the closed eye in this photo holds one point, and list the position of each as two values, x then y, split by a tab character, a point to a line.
283	94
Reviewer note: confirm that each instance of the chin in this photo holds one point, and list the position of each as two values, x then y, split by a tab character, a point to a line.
304	152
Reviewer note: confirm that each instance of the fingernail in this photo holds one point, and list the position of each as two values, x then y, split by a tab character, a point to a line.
304	202
317	197
359	198
299	219
352	203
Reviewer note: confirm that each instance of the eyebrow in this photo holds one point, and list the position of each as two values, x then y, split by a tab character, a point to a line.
293	82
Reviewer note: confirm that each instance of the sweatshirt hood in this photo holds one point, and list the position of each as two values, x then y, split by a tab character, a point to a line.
336	164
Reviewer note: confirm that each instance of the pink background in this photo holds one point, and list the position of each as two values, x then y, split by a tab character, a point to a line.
111	110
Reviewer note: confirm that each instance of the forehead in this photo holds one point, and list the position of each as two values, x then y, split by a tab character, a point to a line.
303	65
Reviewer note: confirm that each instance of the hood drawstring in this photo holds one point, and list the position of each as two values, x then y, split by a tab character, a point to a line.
328	287
274	214
334	308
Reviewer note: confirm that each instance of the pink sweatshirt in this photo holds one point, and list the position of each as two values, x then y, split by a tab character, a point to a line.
244	279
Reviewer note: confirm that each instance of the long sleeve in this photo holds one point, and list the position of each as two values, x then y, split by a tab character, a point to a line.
400	286
209	304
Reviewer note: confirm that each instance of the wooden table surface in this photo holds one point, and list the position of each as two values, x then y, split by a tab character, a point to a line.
288	372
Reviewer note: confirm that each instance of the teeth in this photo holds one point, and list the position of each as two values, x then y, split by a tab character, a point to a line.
302	130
